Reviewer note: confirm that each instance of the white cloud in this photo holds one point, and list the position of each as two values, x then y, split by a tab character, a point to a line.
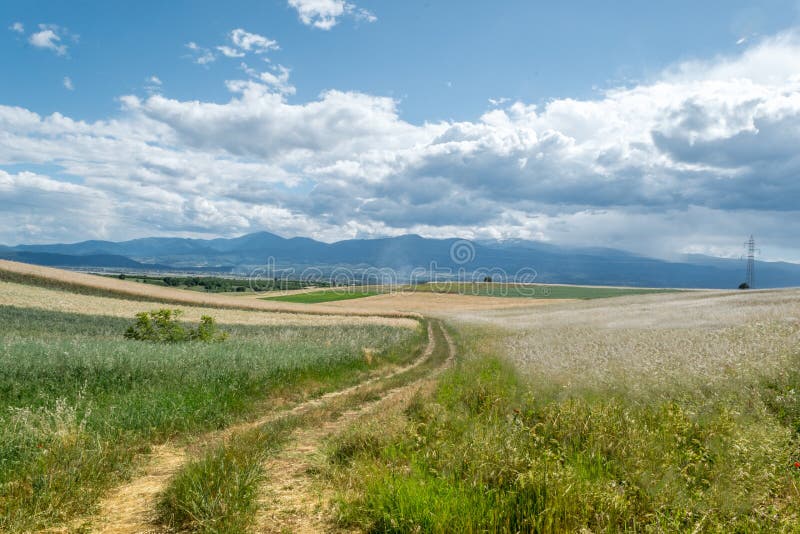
199	54
153	85
228	51
68	85
499	101
252	42
17	27
704	153
325	14
276	79
242	43
49	37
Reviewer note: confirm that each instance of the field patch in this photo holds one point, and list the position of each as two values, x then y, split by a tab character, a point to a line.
675	413
536	291
79	403
316	297
69	282
25	296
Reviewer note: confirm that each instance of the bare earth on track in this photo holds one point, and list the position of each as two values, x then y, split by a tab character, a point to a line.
291	500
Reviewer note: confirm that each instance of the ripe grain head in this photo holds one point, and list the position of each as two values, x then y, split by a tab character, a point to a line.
648	343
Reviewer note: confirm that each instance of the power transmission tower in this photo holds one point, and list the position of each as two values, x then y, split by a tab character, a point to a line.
751	262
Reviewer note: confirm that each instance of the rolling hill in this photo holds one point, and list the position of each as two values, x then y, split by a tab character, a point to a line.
404	255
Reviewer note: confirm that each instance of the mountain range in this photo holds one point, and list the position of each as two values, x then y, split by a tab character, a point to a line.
409	256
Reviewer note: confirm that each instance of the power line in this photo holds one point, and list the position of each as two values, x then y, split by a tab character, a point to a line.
750	245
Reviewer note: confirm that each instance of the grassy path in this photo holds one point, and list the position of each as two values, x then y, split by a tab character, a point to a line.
131	508
290	499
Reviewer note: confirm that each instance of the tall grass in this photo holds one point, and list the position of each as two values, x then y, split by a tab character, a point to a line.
78	402
216	491
495	449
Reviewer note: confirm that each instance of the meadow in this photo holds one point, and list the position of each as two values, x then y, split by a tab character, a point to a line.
328	295
537	291
596	418
79	404
216	284
662	412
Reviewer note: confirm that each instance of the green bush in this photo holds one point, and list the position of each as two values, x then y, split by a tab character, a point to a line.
163	326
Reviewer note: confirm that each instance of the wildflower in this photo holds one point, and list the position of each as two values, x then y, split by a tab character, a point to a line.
797	465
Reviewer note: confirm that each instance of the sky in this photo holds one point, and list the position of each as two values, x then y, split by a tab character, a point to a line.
661	128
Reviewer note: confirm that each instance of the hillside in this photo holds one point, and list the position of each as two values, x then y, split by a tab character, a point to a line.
406	255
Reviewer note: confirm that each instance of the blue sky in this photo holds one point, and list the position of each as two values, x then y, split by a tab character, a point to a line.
443	60
571	122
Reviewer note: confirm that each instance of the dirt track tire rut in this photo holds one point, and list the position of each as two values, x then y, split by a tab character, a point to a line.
290	500
130	508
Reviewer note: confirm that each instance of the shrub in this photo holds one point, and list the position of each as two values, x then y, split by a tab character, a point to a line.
163	326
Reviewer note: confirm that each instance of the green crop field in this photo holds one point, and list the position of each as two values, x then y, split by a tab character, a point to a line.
538	291
330	295
79	403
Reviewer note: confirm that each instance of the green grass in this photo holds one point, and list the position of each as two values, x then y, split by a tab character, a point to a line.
213	284
538	291
315	297
79	404
493	450
217	491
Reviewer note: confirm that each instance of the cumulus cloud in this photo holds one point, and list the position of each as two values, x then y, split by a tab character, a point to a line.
49	37
252	42
17	27
325	14
275	79
700	155
68	85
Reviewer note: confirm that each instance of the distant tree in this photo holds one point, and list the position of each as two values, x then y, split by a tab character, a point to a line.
122	276
487	279
744	285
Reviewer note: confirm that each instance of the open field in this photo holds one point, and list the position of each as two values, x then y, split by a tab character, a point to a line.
327	295
20	295
655	413
111	287
535	291
438	304
400	304
216	284
79	404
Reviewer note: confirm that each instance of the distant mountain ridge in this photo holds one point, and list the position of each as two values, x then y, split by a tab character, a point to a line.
404	254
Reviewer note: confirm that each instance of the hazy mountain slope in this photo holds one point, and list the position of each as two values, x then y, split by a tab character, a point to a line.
405	254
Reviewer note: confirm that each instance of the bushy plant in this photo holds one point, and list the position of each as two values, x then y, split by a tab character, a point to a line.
163	326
